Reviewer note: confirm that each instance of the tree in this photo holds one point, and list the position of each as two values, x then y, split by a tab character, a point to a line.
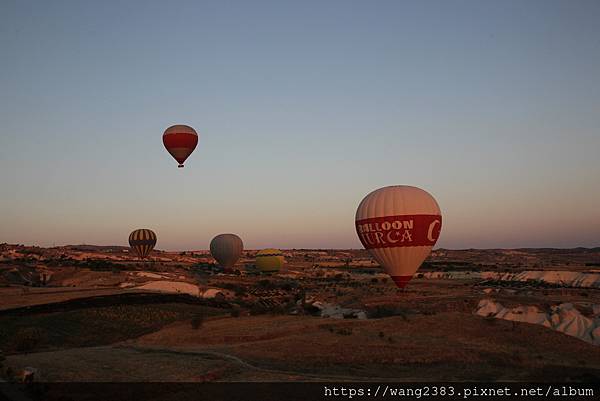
197	321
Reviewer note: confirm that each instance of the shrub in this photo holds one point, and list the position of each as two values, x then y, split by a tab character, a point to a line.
381	311
10	374
197	321
258	309
278	310
289	286
264	283
28	338
490	319
100	265
344	331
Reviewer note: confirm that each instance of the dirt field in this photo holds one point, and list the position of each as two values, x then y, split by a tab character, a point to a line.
418	344
279	328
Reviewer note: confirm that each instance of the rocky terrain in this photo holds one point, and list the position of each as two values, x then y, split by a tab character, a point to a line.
80	313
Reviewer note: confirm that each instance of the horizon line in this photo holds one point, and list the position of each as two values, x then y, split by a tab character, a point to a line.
301	249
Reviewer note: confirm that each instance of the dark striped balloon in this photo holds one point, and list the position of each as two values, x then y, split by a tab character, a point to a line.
142	241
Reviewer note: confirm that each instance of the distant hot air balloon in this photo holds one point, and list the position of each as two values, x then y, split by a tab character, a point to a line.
142	241
269	260
180	141
399	225
226	249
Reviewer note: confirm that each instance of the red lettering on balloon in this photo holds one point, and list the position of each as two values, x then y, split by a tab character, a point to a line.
399	231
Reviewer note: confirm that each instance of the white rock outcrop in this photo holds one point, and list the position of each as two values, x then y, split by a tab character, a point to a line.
564	318
561	277
173	287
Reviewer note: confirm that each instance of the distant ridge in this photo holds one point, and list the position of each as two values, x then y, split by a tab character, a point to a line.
90	247
86	247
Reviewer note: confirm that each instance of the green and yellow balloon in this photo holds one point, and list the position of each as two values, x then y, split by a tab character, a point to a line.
269	261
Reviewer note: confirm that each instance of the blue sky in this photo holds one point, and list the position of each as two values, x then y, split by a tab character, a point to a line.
302	109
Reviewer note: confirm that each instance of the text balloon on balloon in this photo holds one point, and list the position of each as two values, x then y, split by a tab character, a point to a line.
399	225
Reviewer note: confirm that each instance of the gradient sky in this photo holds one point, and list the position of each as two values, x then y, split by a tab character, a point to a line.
302	107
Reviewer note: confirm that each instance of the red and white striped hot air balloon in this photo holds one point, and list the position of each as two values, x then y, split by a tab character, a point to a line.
399	225
180	141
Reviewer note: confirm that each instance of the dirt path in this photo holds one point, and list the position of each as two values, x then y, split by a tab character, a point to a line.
247	365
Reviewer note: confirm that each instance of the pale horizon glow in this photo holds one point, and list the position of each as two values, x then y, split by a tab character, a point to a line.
302	109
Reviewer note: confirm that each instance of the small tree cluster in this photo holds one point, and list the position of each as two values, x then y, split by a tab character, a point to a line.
197	321
28	339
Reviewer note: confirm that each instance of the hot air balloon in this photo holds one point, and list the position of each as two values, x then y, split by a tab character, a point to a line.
226	249
399	225
142	241
269	261
180	141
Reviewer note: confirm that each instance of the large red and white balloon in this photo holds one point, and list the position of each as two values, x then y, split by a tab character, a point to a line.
399	225
180	141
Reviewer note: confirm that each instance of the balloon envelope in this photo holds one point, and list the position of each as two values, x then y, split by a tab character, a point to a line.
269	260
142	241
180	141
399	225
226	249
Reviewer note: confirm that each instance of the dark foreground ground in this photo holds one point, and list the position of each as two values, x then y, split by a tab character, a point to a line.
426	333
